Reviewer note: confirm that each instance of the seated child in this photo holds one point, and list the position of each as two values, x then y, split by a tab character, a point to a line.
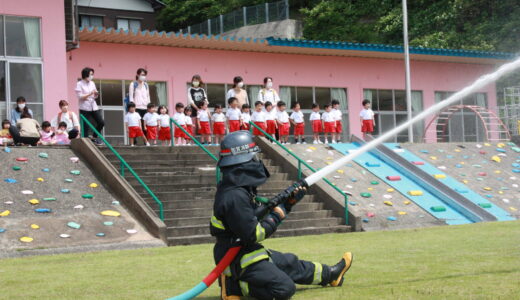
5	136
61	135
47	136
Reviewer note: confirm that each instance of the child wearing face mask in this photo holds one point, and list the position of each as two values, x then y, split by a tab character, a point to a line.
238	91
196	94
21	107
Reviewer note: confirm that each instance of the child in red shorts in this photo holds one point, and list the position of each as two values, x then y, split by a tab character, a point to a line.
133	125
329	124
299	123
180	118
282	120
203	117
246	117
151	120
219	124
190	127
258	118
270	119
338	116
366	117
164	123
233	115
317	125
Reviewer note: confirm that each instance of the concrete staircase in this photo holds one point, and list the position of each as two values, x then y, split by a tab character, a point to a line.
183	178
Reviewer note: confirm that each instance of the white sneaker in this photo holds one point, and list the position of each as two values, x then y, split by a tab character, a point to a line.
297	143
304	142
147	144
132	145
326	141
320	142
333	142
315	142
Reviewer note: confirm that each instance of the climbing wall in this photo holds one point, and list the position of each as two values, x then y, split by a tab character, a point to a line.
51	199
378	204
491	170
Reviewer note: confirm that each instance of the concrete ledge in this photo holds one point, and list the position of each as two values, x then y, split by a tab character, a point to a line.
99	164
331	198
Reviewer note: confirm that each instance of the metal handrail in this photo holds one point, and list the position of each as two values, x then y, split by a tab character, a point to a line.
124	164
172	121
300	162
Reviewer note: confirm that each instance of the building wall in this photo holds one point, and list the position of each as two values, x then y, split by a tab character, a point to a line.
110	16
177	65
54	56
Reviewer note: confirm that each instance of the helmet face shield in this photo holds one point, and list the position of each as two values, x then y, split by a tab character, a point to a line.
237	148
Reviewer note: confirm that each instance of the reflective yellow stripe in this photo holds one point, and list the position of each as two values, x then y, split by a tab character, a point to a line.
253	257
217	223
227	272
244	286
260	233
318	268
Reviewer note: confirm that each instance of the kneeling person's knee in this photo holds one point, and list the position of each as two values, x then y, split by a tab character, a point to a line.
284	290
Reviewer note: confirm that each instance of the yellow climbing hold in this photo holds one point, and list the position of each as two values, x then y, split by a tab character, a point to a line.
370	189
498	171
340	171
110	213
26	239
407	202
34	226
34	201
496	159
415	193
501	145
462	163
312	148
93	185
39	179
389	203
487	144
500	192
433	157
465	181
402	213
328	162
5	213
487	188
512	208
457	150
439	176
390	190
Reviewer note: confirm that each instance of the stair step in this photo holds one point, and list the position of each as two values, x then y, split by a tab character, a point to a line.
287	224
132	150
196	187
195	178
176	170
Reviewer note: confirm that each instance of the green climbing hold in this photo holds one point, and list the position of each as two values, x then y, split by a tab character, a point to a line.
438	208
87	196
17	168
374	182
74	225
366	195
68	180
49	199
75	172
516	149
43	155
485	205
108	223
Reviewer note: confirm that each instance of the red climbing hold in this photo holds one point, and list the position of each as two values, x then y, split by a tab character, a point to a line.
482	152
482	174
418	163
393	178
22	159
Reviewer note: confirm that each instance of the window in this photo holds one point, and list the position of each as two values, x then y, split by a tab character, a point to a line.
20	64
464	126
306	96
390	110
216	94
129	24
91	21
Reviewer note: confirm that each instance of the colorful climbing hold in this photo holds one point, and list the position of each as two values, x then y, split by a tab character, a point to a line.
108	223
389	203
372	164
390	190
22	159
75	172
35	226
68	180
93	185
485	205
500	150
487	188
415	193
100	234
439	176
34	201
433	157
402	213
115	202
46	170
17	168
5	213
353	203
43	155
393	178
371	214
366	195
406	202
387	196
87	196
49	199
370	188
10	180
65	191
64	235
7	149
495	158
26	239
482	174
131	231
43	210
391	218
487	144
74	225
365	220
74	159
418	163
2	230
340	171
110	213
79	206
439	208
39	179
374	182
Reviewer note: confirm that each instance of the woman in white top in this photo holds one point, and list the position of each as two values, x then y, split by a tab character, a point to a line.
267	93
238	92
68	117
196	94
139	93
87	94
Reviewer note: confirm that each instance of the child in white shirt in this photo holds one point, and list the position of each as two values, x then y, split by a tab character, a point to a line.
336	113
270	119
329	123
203	117
298	122
151	119
282	119
164	122
189	125
219	124
180	118
246	117
366	116
317	124
233	115
133	125
258	118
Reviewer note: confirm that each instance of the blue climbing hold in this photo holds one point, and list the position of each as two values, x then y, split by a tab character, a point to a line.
462	191
7	150
515	165
365	220
101	234
10	180
47	170
65	191
458	166
449	156
516	171
2	230
43	210
425	151
391	218
372	164
465	156
501	150
353	179
353	203
489	196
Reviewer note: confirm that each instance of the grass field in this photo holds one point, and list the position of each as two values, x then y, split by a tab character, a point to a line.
478	261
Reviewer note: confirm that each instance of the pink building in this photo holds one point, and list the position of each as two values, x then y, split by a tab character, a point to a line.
304	71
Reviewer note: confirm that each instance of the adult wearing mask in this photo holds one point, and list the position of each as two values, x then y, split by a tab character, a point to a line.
238	92
67	116
267	93
26	131
197	96
21	107
139	93
87	94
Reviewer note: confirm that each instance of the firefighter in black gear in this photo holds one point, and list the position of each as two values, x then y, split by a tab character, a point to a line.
256	271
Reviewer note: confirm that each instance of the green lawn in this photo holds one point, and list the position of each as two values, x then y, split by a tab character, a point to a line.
478	261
